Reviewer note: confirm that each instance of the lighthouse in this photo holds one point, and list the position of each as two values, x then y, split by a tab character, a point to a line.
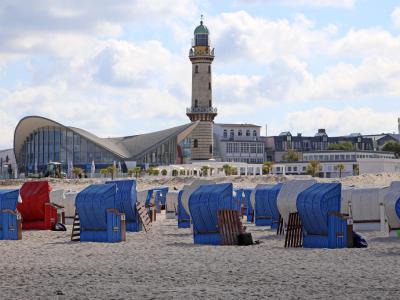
201	110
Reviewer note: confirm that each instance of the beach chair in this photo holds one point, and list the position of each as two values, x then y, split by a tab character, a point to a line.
204	204
57	199
319	210
287	197
160	198
183	205
248	209
150	205
10	220
365	205
266	211
100	220
391	204
36	210
126	203
170	209
183	216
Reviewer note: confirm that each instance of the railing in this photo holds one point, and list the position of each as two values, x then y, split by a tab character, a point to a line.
208	110
209	51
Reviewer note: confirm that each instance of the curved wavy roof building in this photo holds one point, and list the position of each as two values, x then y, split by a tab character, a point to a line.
38	141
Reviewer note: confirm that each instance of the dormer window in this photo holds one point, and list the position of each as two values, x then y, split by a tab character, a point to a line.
247	132
225	133
240	132
231	134
255	133
196	69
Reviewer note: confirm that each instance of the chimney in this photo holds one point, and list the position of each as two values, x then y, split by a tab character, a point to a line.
266	128
299	134
322	130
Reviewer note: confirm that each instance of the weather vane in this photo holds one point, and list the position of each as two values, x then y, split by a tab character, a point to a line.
201	17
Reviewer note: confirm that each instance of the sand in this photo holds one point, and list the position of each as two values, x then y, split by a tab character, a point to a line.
166	264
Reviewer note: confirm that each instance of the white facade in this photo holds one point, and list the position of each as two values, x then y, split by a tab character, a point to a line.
238	143
354	163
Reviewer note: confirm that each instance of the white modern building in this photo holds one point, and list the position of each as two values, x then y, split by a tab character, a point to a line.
354	163
238	143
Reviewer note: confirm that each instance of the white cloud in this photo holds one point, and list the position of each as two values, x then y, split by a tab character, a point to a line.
396	17
331	3
340	122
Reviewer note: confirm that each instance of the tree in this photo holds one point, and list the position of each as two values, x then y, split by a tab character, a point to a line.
174	172
204	170
227	169
291	156
313	167
234	171
356	170
267	167
344	146
164	172
135	170
77	172
112	170
104	171
392	146
156	172
341	168
182	172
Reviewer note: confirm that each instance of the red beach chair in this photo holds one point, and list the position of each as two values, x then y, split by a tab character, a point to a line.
36	210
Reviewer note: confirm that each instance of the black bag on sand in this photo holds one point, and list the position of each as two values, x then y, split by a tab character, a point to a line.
359	241
59	227
245	239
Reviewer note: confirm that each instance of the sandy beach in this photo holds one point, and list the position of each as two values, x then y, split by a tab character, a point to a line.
165	263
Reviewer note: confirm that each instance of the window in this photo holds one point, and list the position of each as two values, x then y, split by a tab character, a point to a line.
240	132
247	132
210	149
225	133
196	69
209	85
196	103
231	134
209	69
195	143
209	103
254	133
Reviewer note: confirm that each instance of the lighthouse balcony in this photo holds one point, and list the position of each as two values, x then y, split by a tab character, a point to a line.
207	110
201	51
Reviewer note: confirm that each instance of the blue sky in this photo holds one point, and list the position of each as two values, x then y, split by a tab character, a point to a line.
121	67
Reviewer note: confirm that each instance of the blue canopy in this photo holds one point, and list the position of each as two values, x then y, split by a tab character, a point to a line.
266	208
315	204
92	204
126	202
183	216
8	199
398	208
204	204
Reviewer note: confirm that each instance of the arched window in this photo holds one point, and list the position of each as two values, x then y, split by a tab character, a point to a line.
196	69
231	134
209	69
247	132
240	132
254	132
225	133
195	143
209	103
196	103
210	149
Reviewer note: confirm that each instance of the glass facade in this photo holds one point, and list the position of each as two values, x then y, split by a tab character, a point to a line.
56	144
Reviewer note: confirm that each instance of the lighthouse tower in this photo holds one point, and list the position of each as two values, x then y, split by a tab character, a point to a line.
201	55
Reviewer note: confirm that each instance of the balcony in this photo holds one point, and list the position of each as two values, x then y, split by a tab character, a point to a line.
203	110
206	52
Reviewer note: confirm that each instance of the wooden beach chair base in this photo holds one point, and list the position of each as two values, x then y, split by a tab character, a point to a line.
144	216
294	231
229	226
